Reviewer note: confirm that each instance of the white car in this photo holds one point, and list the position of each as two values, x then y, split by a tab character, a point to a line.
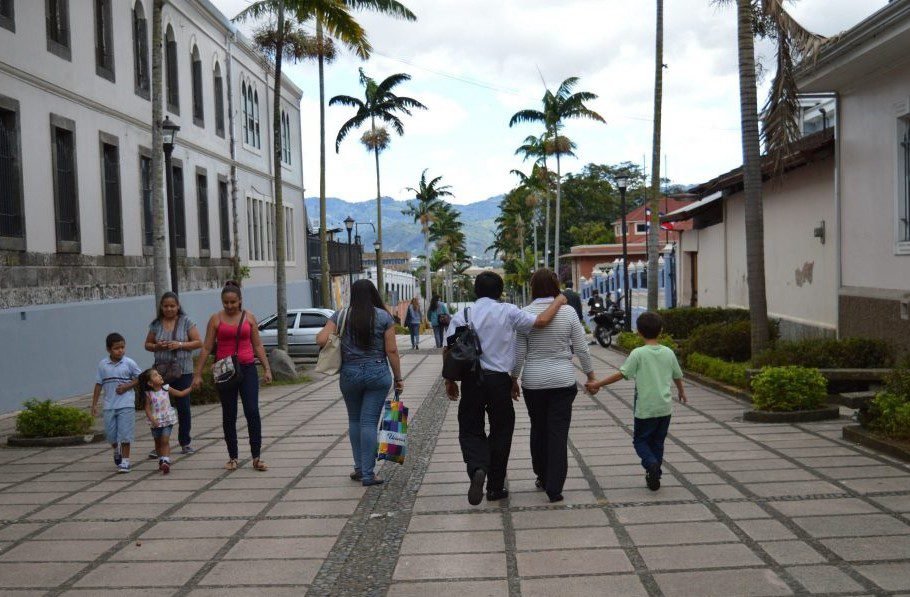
303	325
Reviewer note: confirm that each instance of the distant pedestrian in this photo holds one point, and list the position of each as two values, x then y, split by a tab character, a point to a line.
652	366
574	300
368	349
237	332
412	322
155	398
438	314
116	379
543	361
173	337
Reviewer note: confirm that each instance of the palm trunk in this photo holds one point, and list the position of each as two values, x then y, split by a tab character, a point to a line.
280	250
323	236
546	222
654	230
379	277
557	222
232	143
755	245
426	251
159	255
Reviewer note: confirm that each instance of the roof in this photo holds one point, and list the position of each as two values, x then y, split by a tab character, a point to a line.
667	203
693	209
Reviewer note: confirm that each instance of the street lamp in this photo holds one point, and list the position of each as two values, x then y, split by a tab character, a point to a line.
169	136
378	247
349	225
621	183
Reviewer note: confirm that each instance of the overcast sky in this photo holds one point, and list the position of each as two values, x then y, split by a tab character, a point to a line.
474	63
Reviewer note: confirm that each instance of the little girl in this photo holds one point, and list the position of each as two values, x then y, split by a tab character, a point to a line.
161	415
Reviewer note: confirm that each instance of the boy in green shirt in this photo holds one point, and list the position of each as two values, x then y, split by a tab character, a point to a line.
652	366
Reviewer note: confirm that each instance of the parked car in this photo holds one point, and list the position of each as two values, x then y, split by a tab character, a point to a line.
303	325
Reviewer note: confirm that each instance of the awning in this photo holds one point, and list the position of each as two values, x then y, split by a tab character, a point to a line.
693	209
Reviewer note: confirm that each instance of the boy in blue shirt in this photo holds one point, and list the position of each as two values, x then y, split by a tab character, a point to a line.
117	377
652	366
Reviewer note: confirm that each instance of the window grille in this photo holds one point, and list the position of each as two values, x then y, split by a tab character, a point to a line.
904	205
198	109
219	103
140	52
113	227
170	58
104	47
57	19
11	216
8	15
145	192
202	202
179	208
224	215
65	186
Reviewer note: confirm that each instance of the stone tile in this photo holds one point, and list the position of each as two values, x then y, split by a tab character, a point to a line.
273	572
789	553
247	592
614	585
474	588
297	527
897	503
890	577
187	529
131	592
742	510
722	583
336	507
282	548
685	532
91	530
229	509
792	488
236	496
835	506
572	562
57	551
549	539
16	531
699	557
455	522
879	485
559	519
720	492
426	567
860	525
871	548
349	492
824	579
450	502
169	549
140	574
14	575
436	543
765	530
773	476
663	514
643	494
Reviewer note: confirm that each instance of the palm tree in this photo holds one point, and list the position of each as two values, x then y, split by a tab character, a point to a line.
427	200
159	259
379	103
654	229
557	108
446	232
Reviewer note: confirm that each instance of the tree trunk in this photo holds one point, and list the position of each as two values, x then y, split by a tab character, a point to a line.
654	229
379	277
159	260
232	143
280	250
426	251
323	236
558	201
755	244
546	222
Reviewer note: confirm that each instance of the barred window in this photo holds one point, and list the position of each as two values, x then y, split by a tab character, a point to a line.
110	189
224	216
140	52
904	186
57	20
290	248
8	15
66	198
12	219
202	206
104	40
145	193
179	208
170	59
285	138
256	138
219	102
198	106
245	110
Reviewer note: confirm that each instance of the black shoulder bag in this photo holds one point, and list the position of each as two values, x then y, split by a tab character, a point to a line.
462	360
226	371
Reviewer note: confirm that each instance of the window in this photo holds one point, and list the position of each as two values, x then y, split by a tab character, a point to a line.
903	210
66	198
170	63
198	110
285	138
219	102
272	324
256	143
250	99
8	15
290	248
58	27
202	204
104	40
12	219
140	52
179	208
110	193
223	217
641	228
245	113
145	194
312	320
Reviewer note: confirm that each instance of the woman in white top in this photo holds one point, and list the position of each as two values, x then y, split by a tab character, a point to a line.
543	361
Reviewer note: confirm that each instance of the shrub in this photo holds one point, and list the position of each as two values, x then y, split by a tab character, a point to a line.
890	415
400	329
719	369
631	340
682	321
826	353
728	341
49	419
789	388
207	394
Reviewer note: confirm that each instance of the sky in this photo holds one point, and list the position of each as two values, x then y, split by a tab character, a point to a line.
474	63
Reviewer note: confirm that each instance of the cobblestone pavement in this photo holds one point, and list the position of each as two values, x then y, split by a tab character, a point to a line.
745	509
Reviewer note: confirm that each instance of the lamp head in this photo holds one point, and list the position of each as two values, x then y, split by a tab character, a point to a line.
349	223
169	133
622	181
376	246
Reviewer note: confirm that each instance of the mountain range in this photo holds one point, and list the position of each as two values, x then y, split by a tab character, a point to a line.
400	232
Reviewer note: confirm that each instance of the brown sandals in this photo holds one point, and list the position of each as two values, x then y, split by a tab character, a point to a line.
259	465
231	464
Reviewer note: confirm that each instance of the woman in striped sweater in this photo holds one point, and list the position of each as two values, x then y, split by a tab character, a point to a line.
543	361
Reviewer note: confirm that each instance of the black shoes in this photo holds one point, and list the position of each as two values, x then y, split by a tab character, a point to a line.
555	498
373	481
475	493
356	476
540	483
652	477
499	494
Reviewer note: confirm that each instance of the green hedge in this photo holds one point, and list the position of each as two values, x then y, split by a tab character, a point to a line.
889	413
631	340
788	389
719	369
400	329
848	353
49	419
728	341
682	321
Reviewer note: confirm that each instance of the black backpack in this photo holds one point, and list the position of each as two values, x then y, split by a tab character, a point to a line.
462	360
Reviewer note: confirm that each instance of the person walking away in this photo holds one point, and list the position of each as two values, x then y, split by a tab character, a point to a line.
543	362
237	332
412	322
487	457
652	366
116	378
173	337
368	350
574	300
156	402
438	314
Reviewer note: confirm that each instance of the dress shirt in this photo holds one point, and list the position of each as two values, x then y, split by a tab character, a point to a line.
495	324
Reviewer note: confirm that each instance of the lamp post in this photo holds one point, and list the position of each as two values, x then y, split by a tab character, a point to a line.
169	136
378	248
621	183
349	225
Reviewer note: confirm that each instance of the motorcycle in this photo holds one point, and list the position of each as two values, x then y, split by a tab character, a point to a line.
608	321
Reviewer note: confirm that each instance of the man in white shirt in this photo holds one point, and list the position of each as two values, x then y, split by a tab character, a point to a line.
495	323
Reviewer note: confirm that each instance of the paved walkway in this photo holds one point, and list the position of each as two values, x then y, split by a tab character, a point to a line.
745	510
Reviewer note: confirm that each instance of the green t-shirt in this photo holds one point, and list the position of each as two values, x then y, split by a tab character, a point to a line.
653	368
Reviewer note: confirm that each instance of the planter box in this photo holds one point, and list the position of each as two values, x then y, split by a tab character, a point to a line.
53	442
796	416
864	437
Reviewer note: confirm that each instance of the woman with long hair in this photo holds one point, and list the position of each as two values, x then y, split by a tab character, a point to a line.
368	349
237	333
412	322
438	314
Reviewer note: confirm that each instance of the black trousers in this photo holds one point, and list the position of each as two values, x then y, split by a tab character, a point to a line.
184	413
550	411
490	453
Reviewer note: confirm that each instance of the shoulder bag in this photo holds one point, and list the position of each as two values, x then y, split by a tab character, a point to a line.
330	356
226	371
462	359
170	370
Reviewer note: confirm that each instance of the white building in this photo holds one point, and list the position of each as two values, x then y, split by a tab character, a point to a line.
75	179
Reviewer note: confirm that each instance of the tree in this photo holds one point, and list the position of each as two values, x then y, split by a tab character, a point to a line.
557	108
159	257
424	206
654	228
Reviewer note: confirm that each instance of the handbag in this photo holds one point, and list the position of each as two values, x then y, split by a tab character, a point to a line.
170	371
329	361
444	319
393	431
226	372
462	359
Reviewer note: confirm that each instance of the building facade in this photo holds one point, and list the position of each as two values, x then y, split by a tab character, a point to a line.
75	179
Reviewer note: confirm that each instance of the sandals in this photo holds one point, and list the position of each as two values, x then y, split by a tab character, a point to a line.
231	464
259	465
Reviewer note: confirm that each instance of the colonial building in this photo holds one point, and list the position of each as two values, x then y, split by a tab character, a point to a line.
75	179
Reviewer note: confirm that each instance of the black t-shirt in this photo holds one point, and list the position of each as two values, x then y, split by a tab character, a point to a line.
595	300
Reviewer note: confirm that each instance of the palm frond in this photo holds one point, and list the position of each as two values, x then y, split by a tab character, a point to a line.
256	10
346	128
391	8
527	116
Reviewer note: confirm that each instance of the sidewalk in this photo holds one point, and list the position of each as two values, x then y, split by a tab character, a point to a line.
744	509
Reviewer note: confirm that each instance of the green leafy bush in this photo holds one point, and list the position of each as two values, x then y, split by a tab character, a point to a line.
400	329
207	394
890	415
49	419
788	389
728	341
827	353
682	321
631	340
719	369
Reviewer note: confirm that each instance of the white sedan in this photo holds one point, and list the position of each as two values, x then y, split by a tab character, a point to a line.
303	325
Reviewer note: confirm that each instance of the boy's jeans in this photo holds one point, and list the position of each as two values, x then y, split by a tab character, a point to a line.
648	439
365	387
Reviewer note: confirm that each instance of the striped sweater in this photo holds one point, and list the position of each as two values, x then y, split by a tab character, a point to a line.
545	354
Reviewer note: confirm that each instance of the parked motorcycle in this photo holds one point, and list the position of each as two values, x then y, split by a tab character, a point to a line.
608	319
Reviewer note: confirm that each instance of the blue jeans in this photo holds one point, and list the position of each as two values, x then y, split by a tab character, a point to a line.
415	334
648	438
437	334
249	396
365	387
182	406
